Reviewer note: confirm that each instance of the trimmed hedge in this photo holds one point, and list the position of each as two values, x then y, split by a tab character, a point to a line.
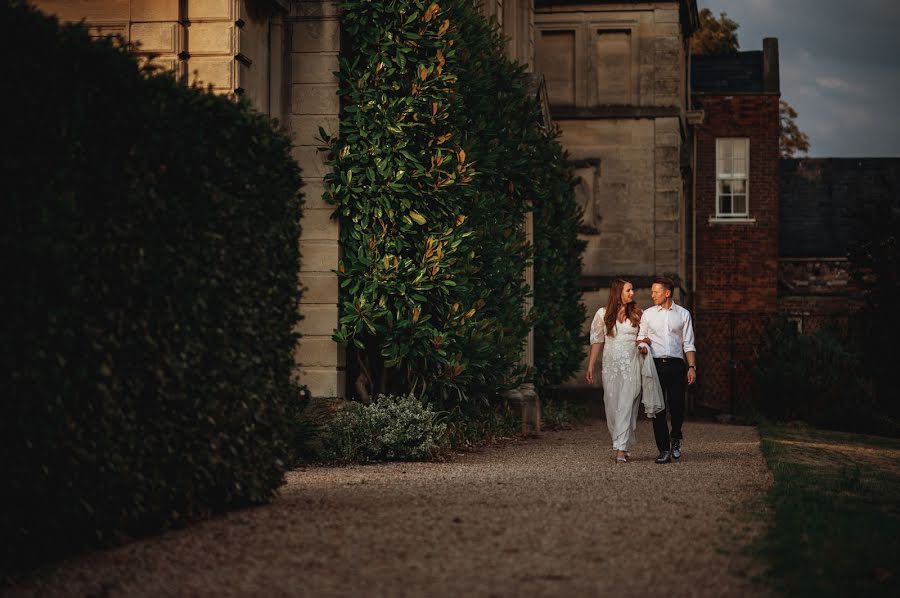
150	264
558	313
433	173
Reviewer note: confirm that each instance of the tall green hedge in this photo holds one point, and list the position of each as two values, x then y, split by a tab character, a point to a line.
149	262
558	310
433	173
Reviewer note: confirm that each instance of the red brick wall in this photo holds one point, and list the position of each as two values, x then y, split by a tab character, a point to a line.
736	262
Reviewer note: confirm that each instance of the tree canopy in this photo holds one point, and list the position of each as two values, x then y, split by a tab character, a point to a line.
793	141
715	36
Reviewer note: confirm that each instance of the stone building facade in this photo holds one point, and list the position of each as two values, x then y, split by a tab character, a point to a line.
617	83
281	56
617	77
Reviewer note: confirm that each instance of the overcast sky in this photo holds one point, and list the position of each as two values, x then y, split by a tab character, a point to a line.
840	67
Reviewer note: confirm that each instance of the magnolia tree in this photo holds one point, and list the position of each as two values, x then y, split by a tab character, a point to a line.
439	157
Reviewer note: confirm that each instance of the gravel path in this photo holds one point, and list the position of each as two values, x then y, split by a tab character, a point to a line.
553	516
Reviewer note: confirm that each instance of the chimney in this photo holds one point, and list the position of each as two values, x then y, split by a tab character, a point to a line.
771	79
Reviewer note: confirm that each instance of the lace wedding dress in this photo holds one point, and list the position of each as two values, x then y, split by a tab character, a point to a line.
626	373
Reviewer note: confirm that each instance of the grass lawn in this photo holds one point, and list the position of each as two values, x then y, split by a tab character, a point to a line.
836	503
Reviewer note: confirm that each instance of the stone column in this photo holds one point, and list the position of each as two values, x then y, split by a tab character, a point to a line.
315	45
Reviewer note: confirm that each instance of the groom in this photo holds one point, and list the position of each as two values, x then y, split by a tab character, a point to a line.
667	328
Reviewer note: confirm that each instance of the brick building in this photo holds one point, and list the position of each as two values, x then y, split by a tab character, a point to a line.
734	250
820	204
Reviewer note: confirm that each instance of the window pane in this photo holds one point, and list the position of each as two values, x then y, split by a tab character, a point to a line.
740	149
725	204
740	204
740	167
727	149
738	185
725	187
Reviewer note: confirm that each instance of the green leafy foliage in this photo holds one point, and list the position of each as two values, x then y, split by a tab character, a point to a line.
561	414
819	378
715	36
476	424
149	260
875	266
558	311
389	429
433	172
792	140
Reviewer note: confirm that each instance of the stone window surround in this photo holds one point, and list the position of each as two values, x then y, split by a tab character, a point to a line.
585	29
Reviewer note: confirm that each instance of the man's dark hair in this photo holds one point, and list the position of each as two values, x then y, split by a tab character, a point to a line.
666	282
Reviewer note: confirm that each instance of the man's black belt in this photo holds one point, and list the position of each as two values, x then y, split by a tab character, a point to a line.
668	359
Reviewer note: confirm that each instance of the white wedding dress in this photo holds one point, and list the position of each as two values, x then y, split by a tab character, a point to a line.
626	373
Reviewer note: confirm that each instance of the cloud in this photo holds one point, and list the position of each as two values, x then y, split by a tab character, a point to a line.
838	84
840	67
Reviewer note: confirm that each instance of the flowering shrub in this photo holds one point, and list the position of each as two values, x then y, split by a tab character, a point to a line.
391	428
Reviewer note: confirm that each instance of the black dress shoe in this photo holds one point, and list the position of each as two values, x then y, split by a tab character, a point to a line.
664	458
676	448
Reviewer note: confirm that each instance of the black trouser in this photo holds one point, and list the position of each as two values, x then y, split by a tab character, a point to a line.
673	379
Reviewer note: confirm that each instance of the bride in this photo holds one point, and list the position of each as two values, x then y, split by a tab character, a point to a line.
625	372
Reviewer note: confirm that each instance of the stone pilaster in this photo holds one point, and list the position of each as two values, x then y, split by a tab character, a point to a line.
315	33
667	196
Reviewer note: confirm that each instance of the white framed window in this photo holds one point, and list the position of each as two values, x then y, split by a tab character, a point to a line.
732	177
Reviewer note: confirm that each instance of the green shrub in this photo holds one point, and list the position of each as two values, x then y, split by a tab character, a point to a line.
818	378
559	344
433	174
389	429
150	269
560	414
479	422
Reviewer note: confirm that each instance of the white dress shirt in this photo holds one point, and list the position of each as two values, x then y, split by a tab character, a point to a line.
670	331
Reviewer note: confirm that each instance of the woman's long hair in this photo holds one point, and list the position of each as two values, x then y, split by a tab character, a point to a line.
632	311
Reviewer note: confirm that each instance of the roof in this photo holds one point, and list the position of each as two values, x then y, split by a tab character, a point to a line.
752	72
820	200
741	72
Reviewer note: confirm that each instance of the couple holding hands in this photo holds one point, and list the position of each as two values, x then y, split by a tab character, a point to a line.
626	336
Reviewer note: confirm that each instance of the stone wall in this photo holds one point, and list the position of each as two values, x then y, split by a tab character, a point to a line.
315	47
210	42
617	80
616	76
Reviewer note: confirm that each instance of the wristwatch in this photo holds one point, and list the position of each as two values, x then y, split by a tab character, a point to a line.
692	367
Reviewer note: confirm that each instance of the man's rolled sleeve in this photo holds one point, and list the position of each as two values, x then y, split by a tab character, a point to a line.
687	333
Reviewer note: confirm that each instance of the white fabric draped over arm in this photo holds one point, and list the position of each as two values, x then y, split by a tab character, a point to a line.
652	396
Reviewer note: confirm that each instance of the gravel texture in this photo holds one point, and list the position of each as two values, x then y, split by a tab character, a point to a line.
553	516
